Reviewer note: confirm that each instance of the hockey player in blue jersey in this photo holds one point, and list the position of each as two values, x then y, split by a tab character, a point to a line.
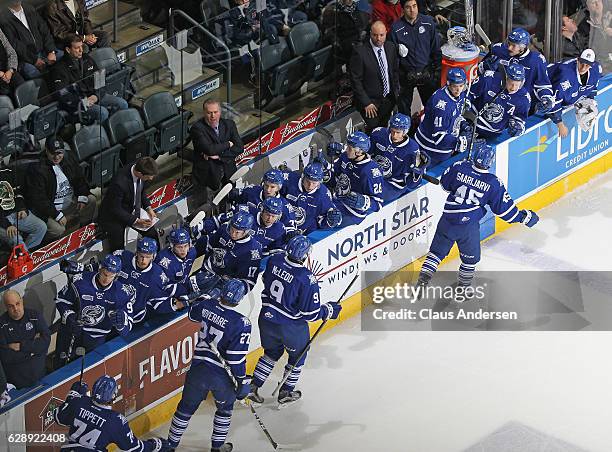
470	189
516	49
177	259
231	252
311	200
93	425
357	180
254	195
399	157
91	307
222	347
290	299
575	83
502	104
443	132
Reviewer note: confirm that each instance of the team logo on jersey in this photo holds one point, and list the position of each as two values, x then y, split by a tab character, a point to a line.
385	165
493	113
164	262
441	104
218	257
565	85
343	185
28	326
376	172
421	29
92	315
300	216
87	297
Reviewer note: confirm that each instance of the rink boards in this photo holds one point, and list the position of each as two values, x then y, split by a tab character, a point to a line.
537	169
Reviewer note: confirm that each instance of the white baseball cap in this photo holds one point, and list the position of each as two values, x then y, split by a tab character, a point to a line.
587	56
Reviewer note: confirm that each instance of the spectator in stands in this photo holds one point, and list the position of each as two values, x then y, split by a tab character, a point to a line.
243	24
374	77
5	388
58	191
386	11
124	200
24	341
15	219
597	27
66	17
344	26
418	43
9	77
216	144
28	33
430	8
573	42
77	69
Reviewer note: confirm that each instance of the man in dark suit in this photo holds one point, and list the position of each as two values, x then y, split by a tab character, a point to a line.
123	200
216	145
374	70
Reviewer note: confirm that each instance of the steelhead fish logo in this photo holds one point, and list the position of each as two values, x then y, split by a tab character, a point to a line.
544	143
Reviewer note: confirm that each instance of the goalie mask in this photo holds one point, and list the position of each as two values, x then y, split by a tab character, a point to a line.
460	38
7	196
586	113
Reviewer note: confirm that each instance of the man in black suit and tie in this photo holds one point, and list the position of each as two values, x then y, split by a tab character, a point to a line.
374	70
123	200
216	145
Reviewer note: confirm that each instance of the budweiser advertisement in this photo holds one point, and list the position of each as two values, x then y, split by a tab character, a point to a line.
146	371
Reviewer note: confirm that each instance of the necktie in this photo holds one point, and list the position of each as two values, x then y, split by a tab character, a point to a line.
138	197
383	73
217	130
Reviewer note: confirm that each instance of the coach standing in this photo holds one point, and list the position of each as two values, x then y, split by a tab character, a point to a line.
416	36
374	77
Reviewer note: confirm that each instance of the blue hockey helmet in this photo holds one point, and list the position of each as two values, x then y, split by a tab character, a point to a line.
273	176
273	205
298	248
179	236
146	245
401	122
111	263
314	172
104	390
242	221
519	36
233	291
455	76
483	154
515	71
359	140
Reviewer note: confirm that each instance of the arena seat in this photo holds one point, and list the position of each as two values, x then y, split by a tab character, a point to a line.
6	106
95	154
11	141
27	93
117	75
125	127
304	39
160	111
282	74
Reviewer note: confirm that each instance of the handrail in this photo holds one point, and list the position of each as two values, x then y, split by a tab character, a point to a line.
115	19
228	61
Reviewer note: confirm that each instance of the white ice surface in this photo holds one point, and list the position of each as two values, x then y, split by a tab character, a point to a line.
451	391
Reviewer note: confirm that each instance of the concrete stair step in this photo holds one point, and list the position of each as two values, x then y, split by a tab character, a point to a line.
102	15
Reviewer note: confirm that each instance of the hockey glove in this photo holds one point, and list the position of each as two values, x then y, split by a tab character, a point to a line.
156	444
545	105
74	326
79	387
491	63
203	281
244	387
334	218
72	268
515	128
320	158
330	310
356	201
528	218
462	145
234	195
421	163
119	319
403	50
465	129
334	149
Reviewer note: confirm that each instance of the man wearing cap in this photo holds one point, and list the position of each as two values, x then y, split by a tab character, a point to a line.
57	189
574	82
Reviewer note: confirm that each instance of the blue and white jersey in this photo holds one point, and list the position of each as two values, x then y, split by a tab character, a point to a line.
471	190
395	159
226	330
150	286
439	127
536	77
95	304
253	197
363	177
291	292
176	269
310	208
231	258
94	427
495	115
569	86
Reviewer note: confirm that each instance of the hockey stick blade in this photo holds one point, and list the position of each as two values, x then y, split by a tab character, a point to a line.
198	218
431	179
222	194
483	35
239	174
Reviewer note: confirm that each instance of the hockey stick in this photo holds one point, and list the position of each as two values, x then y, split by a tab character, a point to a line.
63	355
80	351
483	35
316	333
431	179
239	174
222	194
